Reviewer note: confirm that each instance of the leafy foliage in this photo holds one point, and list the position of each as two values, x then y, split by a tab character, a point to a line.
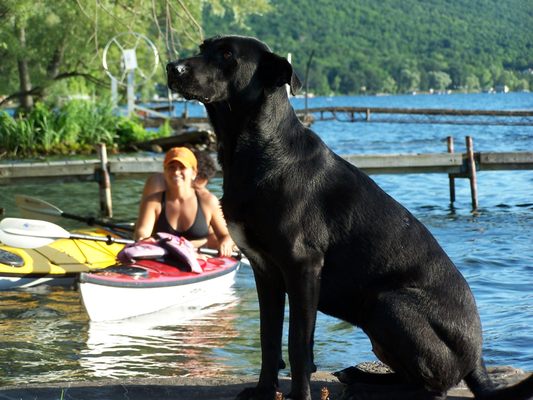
75	127
65	40
366	46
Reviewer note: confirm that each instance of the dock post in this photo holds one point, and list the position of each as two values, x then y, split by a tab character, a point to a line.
106	209
471	164
367	114
451	177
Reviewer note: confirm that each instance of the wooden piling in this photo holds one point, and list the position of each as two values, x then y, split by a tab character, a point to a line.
471	164
104	182
451	177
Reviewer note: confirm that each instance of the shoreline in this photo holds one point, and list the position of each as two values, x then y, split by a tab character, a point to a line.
201	388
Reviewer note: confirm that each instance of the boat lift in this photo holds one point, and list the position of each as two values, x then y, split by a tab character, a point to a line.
130	58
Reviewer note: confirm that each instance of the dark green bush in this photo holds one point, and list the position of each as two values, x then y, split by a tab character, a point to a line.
129	132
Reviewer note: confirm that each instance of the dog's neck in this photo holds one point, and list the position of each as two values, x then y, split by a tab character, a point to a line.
241	126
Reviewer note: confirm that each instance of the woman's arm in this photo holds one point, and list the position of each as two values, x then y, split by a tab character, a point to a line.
155	183
149	210
218	223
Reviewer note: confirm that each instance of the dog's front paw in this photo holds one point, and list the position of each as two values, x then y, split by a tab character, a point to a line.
256	394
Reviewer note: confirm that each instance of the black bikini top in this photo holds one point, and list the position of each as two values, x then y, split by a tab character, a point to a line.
198	230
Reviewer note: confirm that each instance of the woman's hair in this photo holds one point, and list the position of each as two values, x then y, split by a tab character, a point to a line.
206	165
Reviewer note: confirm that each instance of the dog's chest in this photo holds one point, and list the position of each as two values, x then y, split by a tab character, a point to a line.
245	195
238	235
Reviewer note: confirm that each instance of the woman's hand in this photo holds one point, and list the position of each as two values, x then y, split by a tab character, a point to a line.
149	239
225	246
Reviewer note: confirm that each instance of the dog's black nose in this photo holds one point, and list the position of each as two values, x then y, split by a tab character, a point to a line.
176	67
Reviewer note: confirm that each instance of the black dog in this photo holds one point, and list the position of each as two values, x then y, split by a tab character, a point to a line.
319	230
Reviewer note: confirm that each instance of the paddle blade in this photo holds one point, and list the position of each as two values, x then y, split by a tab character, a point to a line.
29	233
33	228
23	242
30	207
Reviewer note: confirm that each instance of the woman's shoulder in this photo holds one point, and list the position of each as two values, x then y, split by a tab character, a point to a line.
155	183
207	198
155	197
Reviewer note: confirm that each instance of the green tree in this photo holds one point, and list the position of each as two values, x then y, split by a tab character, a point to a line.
439	80
408	80
42	43
472	83
521	85
485	79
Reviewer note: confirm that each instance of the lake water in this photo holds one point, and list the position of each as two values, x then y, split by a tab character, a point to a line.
45	335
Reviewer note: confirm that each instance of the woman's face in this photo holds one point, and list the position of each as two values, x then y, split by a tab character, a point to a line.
177	174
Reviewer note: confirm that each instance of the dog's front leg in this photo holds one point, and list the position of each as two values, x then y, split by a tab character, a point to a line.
303	288
271	295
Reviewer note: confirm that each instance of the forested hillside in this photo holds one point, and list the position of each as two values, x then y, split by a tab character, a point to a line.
398	45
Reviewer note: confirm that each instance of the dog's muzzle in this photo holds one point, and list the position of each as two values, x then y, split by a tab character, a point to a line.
176	71
180	79
176	68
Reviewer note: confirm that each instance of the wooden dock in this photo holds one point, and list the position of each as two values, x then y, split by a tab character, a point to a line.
456	165
134	166
449	163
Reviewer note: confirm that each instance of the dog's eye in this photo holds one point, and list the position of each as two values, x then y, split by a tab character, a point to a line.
227	55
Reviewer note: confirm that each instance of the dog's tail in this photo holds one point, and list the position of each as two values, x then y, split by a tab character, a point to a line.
483	388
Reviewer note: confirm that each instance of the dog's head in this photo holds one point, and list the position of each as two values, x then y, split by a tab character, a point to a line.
230	67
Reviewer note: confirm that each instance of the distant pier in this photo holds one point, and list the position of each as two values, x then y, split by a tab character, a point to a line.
384	115
421	116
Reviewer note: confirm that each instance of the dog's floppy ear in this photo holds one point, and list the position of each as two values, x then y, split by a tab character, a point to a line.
276	71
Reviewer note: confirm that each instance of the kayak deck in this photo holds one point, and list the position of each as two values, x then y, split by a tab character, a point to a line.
60	258
153	273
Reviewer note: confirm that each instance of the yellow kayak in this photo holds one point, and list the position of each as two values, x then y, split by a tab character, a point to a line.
57	263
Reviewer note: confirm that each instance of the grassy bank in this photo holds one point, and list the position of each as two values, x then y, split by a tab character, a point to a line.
74	128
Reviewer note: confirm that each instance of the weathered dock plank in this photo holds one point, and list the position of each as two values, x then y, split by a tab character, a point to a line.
127	166
135	165
407	163
51	169
491	161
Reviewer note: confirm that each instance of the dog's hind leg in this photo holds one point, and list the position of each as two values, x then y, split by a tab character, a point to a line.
424	347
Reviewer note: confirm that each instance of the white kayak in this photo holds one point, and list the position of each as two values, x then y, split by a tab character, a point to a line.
125	291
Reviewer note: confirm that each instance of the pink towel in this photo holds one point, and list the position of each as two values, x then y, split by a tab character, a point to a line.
168	246
181	248
139	251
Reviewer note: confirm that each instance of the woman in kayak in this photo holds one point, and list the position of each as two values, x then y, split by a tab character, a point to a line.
205	170
180	209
